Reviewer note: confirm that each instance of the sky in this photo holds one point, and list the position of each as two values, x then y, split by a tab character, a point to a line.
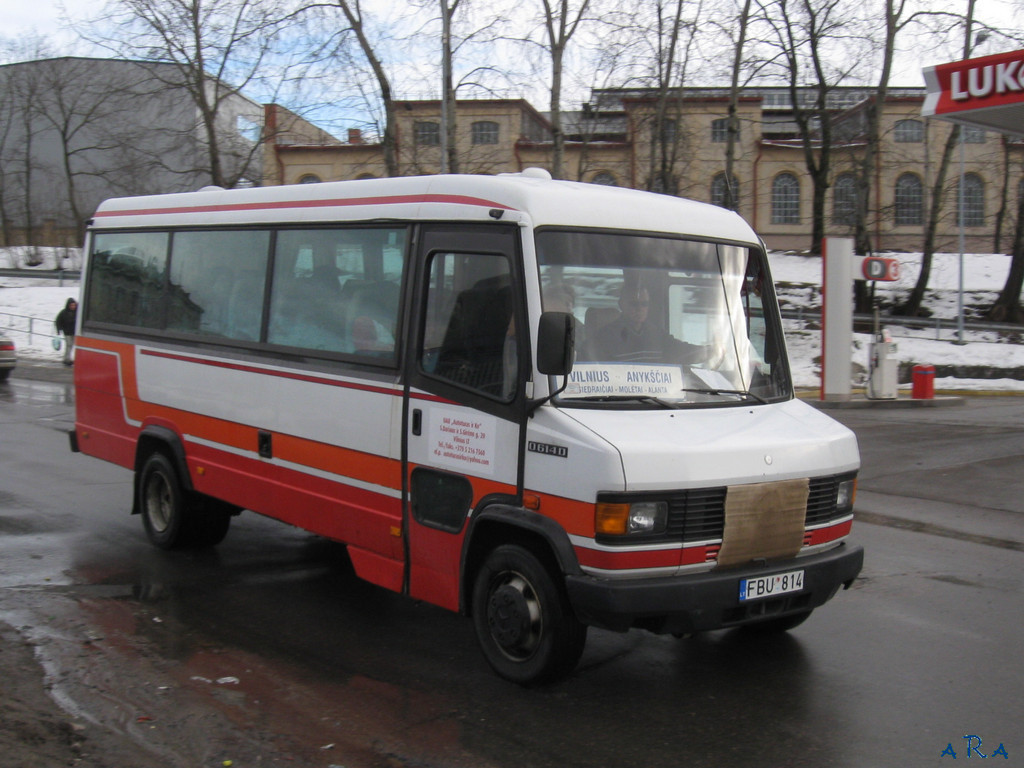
336	104
22	17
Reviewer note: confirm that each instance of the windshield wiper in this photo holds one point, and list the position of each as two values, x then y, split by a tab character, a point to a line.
629	399
740	392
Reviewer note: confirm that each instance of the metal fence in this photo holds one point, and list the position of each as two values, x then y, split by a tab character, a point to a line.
31	327
60	275
939	328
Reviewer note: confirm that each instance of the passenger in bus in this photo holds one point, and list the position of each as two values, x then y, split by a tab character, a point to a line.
632	338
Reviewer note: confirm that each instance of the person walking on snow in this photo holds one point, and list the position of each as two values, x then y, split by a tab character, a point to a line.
65	324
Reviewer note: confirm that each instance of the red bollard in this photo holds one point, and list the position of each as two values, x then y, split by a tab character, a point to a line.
923	387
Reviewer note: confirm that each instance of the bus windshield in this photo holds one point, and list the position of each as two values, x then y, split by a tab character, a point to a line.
664	322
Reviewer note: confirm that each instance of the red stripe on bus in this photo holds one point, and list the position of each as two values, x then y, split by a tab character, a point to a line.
332	203
270	372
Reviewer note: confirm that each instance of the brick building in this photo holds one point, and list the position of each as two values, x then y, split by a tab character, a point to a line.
612	141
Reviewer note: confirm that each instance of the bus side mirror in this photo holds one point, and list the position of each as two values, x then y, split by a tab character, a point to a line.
556	343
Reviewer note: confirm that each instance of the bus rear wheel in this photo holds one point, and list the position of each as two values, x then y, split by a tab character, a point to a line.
523	620
174	517
163	503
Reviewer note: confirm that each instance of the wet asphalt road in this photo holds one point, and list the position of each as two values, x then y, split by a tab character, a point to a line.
270	652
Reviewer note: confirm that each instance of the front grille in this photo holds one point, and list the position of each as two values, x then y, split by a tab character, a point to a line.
698	514
821	501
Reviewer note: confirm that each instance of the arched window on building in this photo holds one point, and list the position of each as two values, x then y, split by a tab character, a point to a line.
309	178
604	177
723	194
668	132
426	134
973	201
785	199
908	132
720	130
844	200
908	201
484	132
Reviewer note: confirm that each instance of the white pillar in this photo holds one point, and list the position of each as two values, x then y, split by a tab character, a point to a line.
836	318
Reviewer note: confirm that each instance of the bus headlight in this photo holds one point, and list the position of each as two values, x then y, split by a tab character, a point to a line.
845	495
636	518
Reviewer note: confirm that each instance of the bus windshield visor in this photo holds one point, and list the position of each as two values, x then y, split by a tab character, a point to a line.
663	321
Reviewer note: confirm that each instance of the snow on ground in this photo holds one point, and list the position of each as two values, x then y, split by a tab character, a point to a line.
798	279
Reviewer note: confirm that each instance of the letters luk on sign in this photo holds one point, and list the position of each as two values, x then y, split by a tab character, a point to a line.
1005	77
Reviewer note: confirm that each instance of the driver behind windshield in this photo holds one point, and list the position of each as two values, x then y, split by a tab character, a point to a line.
633	338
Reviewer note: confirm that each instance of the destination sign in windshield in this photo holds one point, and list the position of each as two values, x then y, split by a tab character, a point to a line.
624	379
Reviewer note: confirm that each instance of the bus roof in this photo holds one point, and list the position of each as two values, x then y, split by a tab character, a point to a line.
432	198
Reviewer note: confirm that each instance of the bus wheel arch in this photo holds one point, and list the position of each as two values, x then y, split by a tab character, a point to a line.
156	439
174	514
515	583
162	501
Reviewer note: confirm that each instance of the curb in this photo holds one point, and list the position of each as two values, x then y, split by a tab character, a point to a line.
941	401
38	370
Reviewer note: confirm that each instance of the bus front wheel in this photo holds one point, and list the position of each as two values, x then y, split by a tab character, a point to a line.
523	620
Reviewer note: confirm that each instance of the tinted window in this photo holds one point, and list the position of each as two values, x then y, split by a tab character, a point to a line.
337	290
126	281
331	290
216	283
470	336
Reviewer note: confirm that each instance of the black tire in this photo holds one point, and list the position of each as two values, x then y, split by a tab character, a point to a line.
164	504
775	626
211	521
524	623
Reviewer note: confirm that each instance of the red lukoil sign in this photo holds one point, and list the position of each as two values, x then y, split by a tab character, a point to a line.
988	81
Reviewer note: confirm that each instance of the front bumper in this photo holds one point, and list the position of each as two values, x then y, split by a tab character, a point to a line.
710	600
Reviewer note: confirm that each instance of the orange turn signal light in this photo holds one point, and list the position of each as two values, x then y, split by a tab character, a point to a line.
611	519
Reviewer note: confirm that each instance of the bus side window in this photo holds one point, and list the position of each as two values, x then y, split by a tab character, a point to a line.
332	290
126	278
477	349
216	283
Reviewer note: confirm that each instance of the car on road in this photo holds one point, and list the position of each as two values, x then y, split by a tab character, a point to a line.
8	357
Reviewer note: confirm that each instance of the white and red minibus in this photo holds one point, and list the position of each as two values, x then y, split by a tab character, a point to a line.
547	405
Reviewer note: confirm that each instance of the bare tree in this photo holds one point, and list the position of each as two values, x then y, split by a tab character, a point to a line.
671	56
806	33
357	23
731	198
217	48
912	306
449	150
19	164
896	20
561	20
1004	194
90	122
1006	307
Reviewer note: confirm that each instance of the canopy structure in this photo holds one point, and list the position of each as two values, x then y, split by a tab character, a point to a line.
986	92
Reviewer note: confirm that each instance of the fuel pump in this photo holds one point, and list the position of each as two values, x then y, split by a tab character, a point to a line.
882	365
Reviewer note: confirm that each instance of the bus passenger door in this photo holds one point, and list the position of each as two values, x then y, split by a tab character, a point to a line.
463	395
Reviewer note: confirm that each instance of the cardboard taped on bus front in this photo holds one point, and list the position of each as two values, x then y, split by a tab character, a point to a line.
763	520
